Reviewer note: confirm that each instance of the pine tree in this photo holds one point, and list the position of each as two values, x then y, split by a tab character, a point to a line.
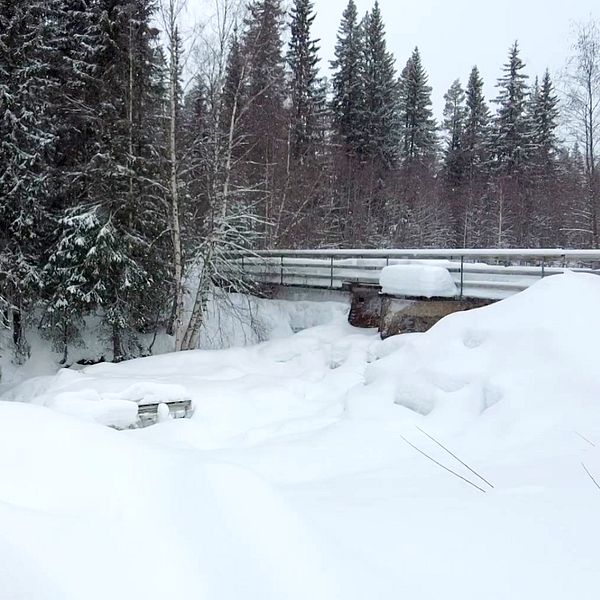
348	103
418	144
379	122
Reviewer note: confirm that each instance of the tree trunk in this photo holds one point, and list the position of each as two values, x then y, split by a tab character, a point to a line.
174	190
192	333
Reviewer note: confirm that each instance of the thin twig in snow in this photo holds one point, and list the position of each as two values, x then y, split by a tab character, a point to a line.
464	464
439	464
585	439
590	476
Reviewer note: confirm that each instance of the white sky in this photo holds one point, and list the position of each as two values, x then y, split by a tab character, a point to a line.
453	35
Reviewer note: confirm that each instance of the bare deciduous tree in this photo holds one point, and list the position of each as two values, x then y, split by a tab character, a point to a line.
582	83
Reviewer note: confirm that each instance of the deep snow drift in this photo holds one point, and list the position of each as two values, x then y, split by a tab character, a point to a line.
300	475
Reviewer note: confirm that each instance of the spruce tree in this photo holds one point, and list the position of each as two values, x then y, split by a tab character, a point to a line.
477	128
545	123
232	95
28	93
544	169
453	175
512	139
347	102
265	118
418	143
476	230
454	123
379	121
75	147
511	149
105	258
305	86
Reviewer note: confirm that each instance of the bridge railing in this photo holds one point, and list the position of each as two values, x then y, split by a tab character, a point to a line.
488	273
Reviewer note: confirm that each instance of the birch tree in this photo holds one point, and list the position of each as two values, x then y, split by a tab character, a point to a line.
171	13
583	112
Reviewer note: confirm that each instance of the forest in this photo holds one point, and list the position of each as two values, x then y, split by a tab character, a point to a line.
134	160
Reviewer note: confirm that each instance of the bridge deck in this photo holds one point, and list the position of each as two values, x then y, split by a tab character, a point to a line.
489	274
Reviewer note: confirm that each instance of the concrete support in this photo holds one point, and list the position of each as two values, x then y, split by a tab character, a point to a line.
365	310
418	315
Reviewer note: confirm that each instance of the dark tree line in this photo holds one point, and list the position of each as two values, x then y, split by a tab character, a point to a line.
116	179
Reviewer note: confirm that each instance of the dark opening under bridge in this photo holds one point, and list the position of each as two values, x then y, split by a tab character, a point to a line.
480	276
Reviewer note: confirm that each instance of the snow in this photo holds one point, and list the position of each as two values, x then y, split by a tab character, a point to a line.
299	475
417	280
88	513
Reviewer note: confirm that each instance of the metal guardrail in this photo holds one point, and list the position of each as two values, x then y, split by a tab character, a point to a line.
488	273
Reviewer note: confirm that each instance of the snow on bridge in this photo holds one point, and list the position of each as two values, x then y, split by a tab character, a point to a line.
483	273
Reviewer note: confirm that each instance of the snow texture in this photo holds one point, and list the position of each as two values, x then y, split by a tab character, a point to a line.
299	475
417	280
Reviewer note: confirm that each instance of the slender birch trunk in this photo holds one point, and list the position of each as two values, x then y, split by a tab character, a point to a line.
174	179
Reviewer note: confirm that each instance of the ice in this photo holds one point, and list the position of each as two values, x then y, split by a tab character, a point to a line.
417	280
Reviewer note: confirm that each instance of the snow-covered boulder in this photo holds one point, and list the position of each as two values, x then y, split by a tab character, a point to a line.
417	280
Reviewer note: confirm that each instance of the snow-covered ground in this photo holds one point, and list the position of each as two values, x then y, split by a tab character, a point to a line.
301	473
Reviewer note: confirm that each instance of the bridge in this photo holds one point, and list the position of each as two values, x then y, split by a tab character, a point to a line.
480	277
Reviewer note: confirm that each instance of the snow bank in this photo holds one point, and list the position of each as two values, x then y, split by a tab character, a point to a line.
417	280
235	320
519	366
88	513
297	455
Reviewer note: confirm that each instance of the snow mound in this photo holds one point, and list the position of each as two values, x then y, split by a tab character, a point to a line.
86	512
417	280
522	365
301	473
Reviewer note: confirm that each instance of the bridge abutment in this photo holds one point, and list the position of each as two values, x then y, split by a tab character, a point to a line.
417	315
393	315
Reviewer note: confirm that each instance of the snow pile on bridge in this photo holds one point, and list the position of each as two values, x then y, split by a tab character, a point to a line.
417	280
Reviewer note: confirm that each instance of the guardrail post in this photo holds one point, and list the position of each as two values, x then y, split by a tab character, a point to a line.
543	267
331	274
462	275
281	270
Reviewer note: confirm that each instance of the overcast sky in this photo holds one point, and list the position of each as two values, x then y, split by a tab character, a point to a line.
453	35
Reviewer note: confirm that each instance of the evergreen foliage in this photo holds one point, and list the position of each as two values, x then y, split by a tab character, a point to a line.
379	121
261	151
306	90
348	102
418	143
